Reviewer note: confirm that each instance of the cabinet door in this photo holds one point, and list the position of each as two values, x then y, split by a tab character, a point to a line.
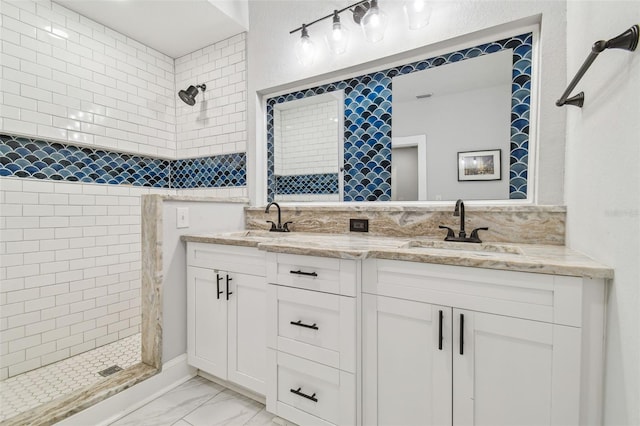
247	331
510	371
406	376
206	321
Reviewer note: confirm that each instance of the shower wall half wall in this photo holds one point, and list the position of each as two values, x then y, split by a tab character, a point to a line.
69	242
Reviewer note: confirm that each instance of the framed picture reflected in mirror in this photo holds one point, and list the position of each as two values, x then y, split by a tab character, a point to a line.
479	165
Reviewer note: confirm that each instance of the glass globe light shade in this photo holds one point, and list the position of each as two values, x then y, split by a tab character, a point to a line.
418	13
304	49
338	38
374	23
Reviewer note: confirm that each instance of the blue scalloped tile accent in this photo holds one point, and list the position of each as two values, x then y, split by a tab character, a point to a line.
40	159
321	183
367	124
208	172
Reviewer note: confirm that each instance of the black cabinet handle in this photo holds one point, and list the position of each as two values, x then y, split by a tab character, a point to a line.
299	272
297	392
218	278
461	334
440	331
300	324
228	292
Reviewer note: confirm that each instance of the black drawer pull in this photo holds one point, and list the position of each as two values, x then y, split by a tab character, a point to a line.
228	292
461	334
297	392
300	324
218	278
440	331
299	272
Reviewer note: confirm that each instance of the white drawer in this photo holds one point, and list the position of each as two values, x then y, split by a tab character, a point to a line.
541	297
324	274
313	325
309	393
246	260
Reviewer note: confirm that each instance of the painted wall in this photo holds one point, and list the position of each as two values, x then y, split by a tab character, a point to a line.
603	186
70	251
450	21
485	113
203	217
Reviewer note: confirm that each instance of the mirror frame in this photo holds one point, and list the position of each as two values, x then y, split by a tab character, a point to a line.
367	121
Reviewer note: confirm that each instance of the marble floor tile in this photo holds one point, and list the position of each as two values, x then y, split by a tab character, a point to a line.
226	408
263	418
173	405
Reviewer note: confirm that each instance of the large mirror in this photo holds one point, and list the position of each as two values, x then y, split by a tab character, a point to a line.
442	128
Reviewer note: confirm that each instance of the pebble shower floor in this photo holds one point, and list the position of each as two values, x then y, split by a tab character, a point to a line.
28	390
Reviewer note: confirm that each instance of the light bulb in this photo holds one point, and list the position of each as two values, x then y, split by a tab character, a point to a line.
338	38
374	23
418	13
305	49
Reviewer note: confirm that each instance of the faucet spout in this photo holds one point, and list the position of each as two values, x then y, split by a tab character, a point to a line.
462	235
459	211
273	203
279	227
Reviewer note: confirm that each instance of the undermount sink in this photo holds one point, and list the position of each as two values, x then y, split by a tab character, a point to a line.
475	247
254	233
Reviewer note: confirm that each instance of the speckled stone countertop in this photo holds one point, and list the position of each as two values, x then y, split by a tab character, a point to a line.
542	259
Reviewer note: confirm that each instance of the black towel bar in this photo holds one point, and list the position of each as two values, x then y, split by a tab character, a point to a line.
628	40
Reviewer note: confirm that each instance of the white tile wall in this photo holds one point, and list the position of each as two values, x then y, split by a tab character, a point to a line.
70	252
216	124
68	78
307	132
70	269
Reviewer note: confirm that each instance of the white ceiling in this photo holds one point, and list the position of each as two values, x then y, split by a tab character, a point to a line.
482	71
173	27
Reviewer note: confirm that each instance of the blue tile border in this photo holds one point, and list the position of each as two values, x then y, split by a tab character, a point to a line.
367	124
40	159
320	183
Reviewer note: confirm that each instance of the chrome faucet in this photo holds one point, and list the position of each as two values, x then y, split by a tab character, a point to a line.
462	235
279	227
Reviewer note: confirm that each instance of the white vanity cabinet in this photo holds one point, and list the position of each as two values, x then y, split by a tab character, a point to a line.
226	310
464	346
312	338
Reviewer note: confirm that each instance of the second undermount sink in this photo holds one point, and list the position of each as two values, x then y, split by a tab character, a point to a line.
474	247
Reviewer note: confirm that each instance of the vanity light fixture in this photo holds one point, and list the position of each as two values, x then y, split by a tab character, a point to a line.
189	96
305	49
366	13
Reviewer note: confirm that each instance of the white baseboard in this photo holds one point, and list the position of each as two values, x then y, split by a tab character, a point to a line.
174	373
236	388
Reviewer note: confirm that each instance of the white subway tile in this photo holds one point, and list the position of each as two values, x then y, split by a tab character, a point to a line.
57	333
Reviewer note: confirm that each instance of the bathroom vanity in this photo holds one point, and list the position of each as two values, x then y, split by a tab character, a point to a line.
343	329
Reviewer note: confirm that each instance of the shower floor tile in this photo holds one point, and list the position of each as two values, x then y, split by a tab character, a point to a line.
28	390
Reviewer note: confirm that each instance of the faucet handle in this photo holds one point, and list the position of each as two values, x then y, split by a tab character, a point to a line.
450	232
273	225
285	226
474	233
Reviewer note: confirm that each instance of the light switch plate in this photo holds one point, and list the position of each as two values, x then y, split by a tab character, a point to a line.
182	217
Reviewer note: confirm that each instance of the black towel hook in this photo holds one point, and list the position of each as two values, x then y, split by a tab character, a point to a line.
628	40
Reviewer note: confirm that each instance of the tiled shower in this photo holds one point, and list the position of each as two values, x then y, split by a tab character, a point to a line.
89	124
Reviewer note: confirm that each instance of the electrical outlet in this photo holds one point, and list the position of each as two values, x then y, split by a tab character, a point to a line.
359	225
182	217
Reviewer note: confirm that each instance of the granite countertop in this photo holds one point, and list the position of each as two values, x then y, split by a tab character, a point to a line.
543	259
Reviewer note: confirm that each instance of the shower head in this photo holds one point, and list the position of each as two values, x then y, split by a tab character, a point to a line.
189	96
